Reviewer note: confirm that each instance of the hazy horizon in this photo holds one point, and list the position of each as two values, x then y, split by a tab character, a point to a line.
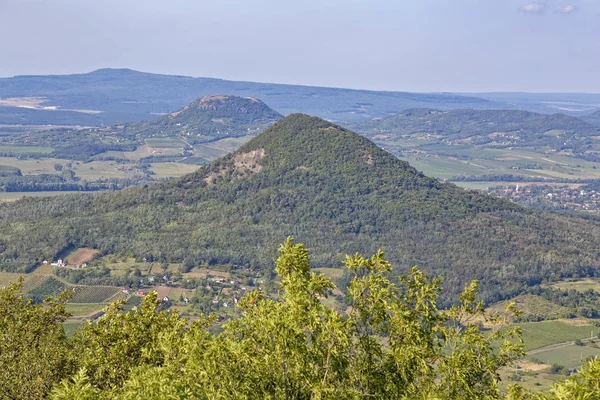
548	46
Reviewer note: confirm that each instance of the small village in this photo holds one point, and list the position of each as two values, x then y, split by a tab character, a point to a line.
550	197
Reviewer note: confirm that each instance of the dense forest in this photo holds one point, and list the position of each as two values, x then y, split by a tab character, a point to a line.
394	343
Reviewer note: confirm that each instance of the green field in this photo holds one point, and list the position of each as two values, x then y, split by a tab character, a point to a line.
579	285
166	142
170	170
25	149
207	152
33	166
84	310
569	357
539	334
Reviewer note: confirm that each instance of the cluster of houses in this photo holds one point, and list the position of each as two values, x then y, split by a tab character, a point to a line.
62	263
564	197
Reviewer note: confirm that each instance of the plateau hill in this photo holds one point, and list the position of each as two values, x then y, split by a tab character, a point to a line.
208	118
332	189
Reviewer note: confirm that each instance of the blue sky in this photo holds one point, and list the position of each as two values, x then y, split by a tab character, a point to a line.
412	45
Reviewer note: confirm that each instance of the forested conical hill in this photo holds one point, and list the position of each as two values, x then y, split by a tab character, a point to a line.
207	118
331	189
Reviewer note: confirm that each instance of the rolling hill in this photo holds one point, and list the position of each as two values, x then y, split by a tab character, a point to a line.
332	189
501	128
593	118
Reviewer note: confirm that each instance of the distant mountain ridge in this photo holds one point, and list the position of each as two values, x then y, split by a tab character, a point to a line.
207	118
123	95
331	189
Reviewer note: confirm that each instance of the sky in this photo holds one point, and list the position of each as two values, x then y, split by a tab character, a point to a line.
404	45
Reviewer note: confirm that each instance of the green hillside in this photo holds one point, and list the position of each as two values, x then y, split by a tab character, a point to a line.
501	128
208	118
593	118
330	188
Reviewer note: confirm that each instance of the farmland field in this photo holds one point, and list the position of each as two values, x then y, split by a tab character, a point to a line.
80	256
95	294
539	334
166	142
50	287
569	356
209	153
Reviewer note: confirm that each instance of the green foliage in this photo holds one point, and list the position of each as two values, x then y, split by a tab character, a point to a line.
110	348
34	354
395	343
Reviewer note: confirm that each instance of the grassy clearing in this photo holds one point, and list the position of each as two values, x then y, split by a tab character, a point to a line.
229	144
532	305
170	170
26	149
104	170
167	142
84	310
539	334
34	166
579	285
332	273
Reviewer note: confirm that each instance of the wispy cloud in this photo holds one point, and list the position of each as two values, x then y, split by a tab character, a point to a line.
567	9
533	8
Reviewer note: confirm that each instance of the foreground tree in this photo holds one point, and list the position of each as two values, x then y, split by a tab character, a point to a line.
393	344
33	351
